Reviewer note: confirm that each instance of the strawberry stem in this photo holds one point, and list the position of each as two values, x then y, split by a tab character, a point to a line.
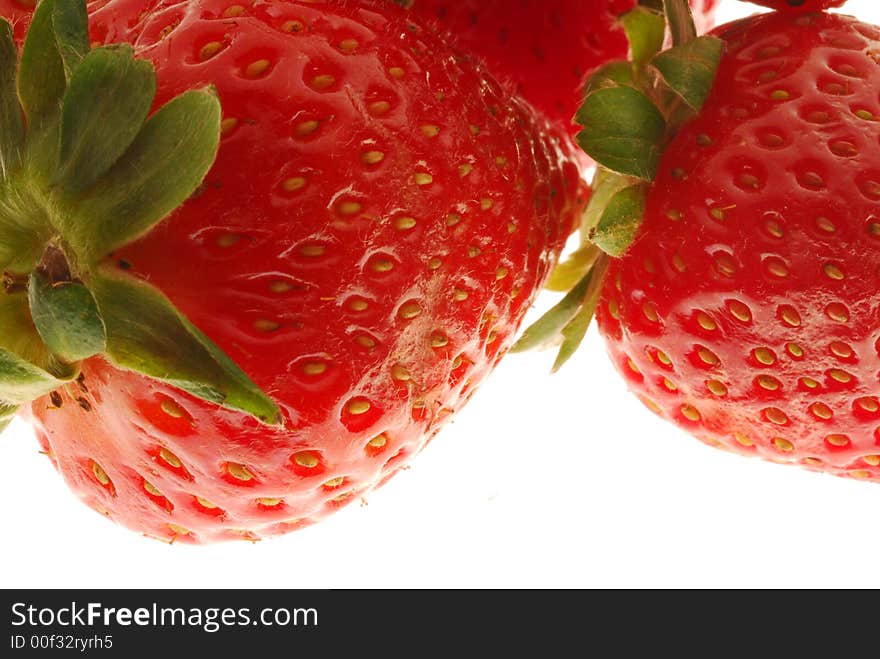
54	266
681	21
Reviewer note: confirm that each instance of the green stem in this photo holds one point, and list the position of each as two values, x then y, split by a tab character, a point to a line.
681	21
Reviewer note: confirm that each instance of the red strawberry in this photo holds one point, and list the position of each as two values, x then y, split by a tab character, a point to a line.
746	310
798	5
543	48
378	220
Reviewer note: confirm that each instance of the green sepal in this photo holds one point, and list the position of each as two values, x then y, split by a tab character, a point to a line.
166	163
623	131
66	317
613	74
97	174
7	414
25	230
22	382
20	338
621	220
569	272
572	336
576	329
605	185
690	70
11	123
629	114
41	81
57	37
104	108
645	29
71	23
146	334
546	330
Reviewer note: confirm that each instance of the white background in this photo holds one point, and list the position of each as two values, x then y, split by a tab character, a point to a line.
553	482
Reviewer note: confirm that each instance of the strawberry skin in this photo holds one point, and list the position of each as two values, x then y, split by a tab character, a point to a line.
544	49
746	311
378	221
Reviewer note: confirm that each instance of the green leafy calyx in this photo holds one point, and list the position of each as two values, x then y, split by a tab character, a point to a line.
85	169
631	110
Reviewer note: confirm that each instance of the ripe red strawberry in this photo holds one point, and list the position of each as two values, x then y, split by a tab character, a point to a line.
746	310
798	5
378	220
544	49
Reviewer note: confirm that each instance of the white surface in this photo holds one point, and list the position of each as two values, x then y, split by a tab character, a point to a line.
550	482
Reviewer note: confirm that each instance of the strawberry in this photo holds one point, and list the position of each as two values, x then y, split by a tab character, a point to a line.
730	243
745	310
798	5
544	49
378	219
